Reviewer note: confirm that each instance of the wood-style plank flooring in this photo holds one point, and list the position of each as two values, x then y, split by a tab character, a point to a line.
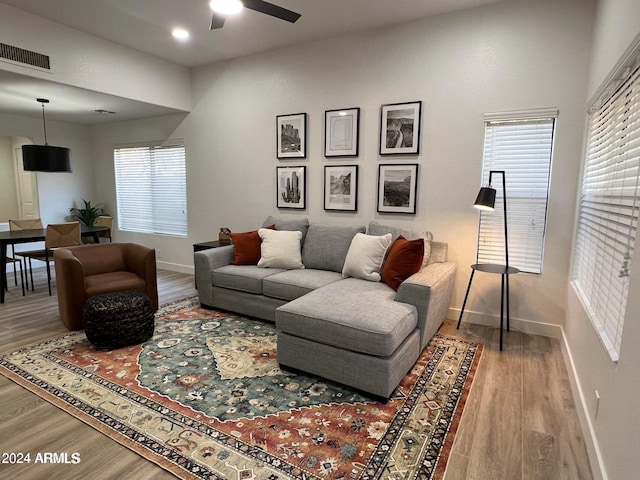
519	422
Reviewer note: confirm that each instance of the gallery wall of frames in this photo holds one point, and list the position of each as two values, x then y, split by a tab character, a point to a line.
397	186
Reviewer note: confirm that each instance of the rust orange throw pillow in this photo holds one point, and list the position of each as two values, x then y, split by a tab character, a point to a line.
246	247
403	260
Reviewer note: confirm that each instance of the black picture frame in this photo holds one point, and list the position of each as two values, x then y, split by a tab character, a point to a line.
291	187
342	132
341	188
400	126
397	188
291	136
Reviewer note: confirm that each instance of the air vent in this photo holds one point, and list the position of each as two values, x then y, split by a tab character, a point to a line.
27	57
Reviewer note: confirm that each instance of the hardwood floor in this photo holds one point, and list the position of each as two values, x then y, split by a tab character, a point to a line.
519	421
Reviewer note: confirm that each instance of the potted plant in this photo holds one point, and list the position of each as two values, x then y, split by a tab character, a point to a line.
87	215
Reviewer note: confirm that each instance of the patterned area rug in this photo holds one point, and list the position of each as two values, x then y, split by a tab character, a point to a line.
205	399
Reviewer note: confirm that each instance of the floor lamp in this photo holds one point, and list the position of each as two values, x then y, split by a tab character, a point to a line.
486	201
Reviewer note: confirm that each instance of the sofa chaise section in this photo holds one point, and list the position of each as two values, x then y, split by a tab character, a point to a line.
364	334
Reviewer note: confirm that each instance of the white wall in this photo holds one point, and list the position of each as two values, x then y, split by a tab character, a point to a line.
57	191
8	192
513	55
616	27
509	56
614	430
173	253
89	62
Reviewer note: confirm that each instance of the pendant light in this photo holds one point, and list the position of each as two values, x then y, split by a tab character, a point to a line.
45	158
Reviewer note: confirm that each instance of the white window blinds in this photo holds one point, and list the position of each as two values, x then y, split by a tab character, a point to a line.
151	188
521	144
609	202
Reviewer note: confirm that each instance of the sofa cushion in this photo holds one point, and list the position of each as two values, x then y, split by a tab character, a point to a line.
246	278
290	224
110	259
112	282
246	247
292	284
325	246
376	228
365	256
352	314
404	259
439	252
280	249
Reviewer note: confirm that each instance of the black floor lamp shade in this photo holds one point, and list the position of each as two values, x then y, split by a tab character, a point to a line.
486	199
45	158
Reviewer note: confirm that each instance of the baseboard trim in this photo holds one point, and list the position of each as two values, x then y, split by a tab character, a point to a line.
175	267
525	326
588	431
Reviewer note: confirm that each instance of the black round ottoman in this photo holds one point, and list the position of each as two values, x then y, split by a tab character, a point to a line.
119	319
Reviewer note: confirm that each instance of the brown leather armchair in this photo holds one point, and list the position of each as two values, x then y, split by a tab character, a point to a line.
88	270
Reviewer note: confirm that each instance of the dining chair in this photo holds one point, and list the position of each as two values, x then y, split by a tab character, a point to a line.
17	264
57	235
23	224
105	221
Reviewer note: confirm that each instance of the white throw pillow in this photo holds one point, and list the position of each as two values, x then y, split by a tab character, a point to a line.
365	256
280	249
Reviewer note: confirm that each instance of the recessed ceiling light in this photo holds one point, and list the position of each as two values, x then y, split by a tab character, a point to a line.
180	33
226	7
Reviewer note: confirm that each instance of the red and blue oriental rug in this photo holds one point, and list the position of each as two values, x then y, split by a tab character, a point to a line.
205	399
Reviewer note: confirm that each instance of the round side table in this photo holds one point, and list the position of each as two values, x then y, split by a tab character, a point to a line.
497	269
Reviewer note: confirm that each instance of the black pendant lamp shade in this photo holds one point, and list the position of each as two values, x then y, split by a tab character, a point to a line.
45	158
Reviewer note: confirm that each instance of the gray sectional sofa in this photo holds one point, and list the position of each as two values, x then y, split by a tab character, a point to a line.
357	332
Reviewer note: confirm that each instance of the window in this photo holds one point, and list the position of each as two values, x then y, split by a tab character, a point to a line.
609	202
151	188
521	144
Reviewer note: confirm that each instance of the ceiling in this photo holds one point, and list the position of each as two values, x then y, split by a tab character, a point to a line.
18	95
146	25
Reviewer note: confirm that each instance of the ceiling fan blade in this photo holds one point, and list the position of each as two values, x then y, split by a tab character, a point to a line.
271	9
217	21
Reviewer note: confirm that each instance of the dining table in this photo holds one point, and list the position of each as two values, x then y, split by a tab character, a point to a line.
13	237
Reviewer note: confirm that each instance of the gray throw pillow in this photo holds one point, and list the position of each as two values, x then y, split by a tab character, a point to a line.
326	246
377	229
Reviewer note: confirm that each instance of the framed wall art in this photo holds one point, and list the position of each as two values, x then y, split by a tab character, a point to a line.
397	188
341	187
291	187
341	132
400	128
291	135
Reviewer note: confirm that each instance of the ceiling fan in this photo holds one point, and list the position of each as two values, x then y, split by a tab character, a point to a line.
222	8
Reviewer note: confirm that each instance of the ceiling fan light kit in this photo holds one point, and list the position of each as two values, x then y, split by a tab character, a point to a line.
226	7
45	158
221	8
